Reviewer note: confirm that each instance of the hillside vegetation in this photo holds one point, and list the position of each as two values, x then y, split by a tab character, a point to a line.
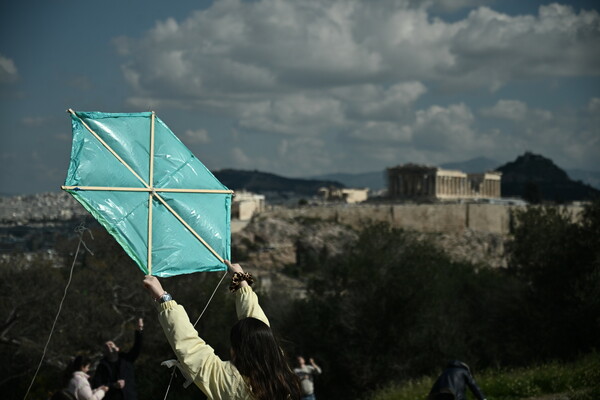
382	307
578	380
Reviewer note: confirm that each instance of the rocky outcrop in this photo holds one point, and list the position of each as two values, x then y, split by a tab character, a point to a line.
478	248
272	243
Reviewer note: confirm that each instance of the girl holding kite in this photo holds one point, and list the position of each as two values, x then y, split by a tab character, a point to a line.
258	369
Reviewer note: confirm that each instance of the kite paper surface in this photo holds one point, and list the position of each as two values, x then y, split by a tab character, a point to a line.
165	208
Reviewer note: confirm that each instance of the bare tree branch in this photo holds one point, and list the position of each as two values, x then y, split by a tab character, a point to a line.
10	321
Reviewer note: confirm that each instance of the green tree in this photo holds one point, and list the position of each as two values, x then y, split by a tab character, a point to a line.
394	307
103	301
557	255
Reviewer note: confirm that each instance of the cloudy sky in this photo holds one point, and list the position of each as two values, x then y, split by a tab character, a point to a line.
301	88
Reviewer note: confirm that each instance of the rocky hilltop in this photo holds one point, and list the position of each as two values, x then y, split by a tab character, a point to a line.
536	178
274	242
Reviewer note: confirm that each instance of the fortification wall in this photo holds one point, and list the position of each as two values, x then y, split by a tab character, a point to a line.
490	218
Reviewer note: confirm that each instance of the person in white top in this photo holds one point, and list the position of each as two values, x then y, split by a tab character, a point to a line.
79	385
306	374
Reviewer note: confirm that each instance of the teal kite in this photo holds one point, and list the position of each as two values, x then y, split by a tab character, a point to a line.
164	207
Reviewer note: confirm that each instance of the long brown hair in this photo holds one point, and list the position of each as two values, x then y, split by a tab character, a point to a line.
261	361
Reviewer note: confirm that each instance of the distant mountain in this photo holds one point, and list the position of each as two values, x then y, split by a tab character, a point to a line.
263	182
474	165
372	180
536	178
592	178
530	176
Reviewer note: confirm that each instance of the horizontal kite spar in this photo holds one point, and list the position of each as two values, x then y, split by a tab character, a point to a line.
179	177
149	189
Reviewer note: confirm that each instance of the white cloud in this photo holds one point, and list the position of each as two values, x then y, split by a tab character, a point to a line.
293	115
238	49
517	111
594	106
508	109
496	48
382	132
8	70
570	137
302	156
374	102
238	158
314	73
197	136
454	5
444	128
34	122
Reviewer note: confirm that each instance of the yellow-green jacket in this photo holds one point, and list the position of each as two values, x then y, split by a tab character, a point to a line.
216	378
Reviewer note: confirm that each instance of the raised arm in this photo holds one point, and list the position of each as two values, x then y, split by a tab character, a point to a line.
315	367
246	301
199	361
134	352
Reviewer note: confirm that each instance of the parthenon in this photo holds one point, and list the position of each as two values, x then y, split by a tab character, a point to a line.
412	181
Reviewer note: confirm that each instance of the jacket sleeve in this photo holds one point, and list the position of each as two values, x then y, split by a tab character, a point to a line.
315	370
213	376
135	350
83	391
102	377
474	388
246	305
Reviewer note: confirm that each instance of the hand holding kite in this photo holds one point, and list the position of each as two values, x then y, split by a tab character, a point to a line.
154	287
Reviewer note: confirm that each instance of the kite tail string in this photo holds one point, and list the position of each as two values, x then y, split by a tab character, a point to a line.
201	314
81	230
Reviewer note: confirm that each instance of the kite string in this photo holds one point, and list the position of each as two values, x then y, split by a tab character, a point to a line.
170	380
211	297
81	230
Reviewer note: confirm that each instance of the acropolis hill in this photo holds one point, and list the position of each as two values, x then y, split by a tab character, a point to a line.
427	201
34	224
59	207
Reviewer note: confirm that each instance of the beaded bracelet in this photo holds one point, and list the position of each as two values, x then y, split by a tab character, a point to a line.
237	279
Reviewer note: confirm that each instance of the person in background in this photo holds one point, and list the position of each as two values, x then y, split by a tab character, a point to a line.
79	384
453	382
116	369
258	369
306	373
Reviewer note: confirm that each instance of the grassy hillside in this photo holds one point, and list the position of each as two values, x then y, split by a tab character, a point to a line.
579	380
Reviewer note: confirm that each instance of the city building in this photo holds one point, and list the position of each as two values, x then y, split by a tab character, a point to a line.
344	195
246	204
